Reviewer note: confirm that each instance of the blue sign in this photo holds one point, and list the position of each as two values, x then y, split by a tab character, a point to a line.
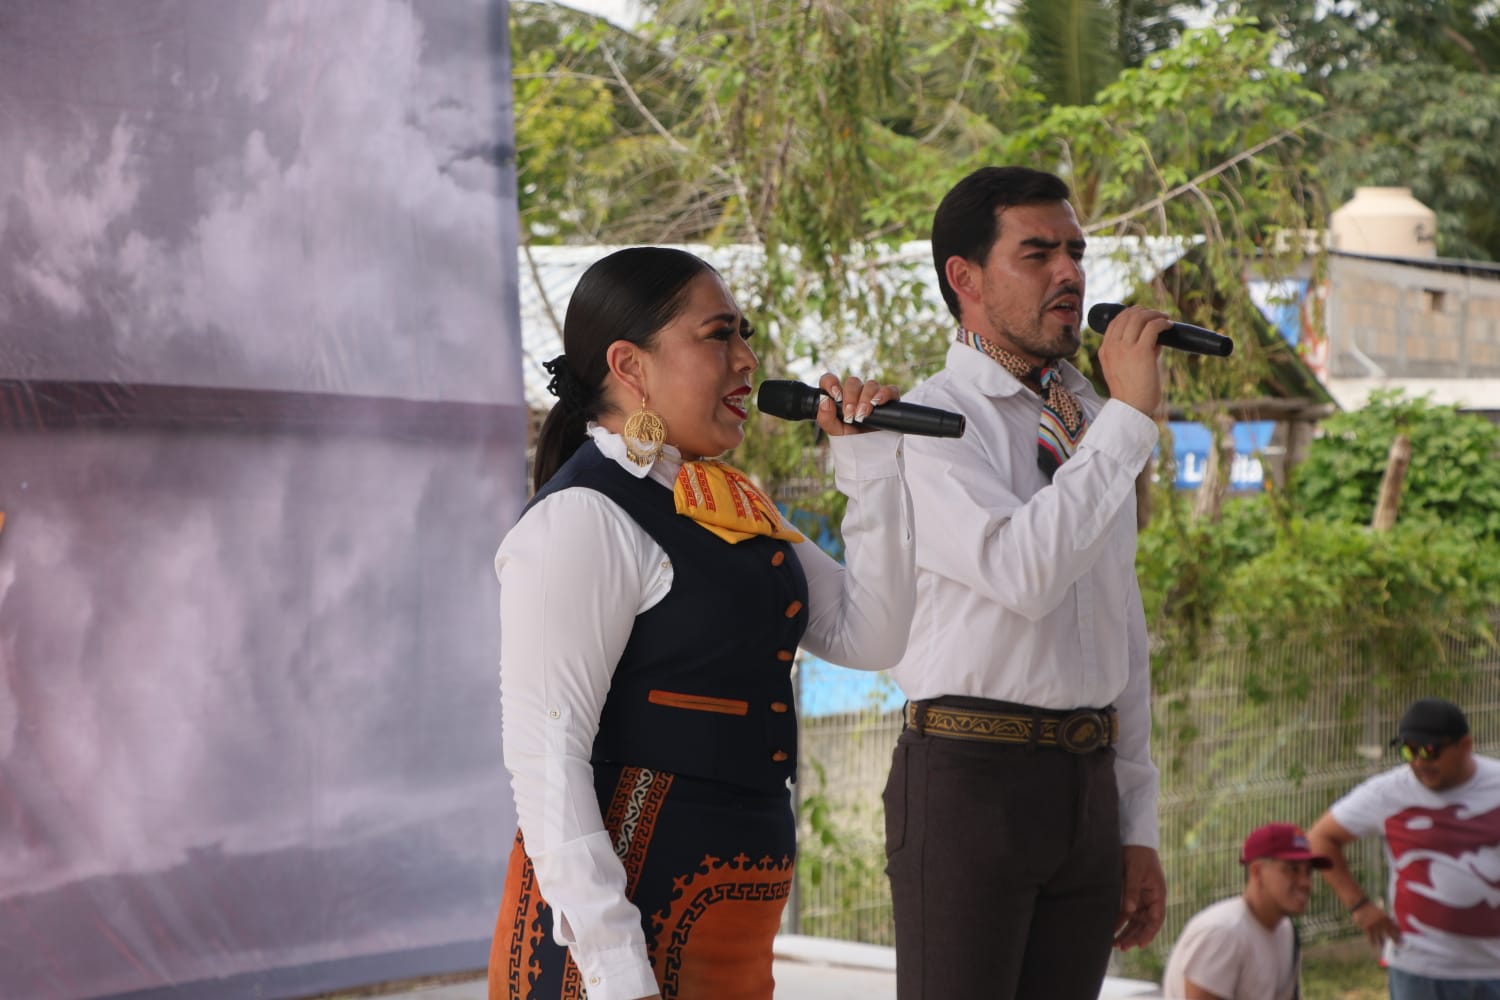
1191	444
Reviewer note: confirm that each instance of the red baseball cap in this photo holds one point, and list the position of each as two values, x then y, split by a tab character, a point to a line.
1282	841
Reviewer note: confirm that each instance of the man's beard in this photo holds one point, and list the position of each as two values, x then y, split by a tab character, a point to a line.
1067	343
1063	344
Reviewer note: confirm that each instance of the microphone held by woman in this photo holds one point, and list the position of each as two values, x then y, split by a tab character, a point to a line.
794	401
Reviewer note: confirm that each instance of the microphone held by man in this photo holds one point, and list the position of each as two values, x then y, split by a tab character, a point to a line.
791	400
1181	337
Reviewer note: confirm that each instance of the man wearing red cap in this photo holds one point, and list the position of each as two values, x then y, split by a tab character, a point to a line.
1440	817
1245	947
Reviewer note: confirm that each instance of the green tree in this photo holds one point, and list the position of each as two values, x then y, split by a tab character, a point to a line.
826	135
1429	126
559	112
1412	101
794	128
1077	47
1161	152
1453	479
1306	559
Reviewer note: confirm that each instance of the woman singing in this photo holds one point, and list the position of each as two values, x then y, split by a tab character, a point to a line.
652	600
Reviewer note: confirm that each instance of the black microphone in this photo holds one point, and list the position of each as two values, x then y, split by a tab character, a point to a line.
794	401
1182	336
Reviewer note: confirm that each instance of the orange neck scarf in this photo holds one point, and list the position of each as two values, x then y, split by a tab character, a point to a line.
722	499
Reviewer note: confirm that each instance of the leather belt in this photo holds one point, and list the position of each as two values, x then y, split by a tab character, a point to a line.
1082	730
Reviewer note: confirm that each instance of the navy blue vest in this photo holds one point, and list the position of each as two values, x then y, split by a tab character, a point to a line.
704	685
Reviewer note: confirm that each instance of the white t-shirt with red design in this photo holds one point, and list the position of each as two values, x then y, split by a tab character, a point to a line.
1443	849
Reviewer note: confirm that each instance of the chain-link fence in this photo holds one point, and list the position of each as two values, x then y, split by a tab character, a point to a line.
1273	733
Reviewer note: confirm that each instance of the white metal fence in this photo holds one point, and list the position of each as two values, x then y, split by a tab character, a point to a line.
1273	733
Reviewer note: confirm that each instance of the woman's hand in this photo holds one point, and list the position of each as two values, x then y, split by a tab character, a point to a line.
851	402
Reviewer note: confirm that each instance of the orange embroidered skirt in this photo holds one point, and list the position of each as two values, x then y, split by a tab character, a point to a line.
708	865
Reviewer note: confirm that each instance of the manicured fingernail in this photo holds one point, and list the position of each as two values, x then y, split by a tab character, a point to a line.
848	414
837	394
825	403
864	411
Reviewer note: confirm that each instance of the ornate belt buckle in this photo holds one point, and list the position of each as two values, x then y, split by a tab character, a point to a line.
1083	731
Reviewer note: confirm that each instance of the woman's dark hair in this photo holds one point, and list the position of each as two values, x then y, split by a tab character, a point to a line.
965	224
629	295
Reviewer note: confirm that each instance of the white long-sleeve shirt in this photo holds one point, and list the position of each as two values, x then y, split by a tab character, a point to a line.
1028	590
574	572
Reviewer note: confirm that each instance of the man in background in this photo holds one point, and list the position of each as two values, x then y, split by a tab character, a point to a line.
1246	947
1440	816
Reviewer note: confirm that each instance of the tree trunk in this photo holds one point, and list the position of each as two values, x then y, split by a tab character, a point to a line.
1210	499
1142	495
1389	502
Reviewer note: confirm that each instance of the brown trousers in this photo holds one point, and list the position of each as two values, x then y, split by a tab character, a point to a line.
1005	868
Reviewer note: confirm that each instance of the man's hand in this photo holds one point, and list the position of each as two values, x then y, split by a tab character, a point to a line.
1376	923
1143	903
1328	837
1128	357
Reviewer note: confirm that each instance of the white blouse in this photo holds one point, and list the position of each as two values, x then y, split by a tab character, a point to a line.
574	573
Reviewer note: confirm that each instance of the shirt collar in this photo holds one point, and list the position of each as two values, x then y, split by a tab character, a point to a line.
990	378
612	446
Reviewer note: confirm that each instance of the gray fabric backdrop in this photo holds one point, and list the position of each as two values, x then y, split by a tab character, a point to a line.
261	429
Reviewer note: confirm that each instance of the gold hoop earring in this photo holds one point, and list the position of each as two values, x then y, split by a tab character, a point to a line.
645	433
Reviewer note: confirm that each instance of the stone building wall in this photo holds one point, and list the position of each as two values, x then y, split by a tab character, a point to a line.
1409	319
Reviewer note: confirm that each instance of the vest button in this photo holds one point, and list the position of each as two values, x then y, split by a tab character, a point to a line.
779	756
793	608
785	655
778	558
778	706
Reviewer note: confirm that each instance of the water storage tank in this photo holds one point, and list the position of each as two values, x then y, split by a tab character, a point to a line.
1385	222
